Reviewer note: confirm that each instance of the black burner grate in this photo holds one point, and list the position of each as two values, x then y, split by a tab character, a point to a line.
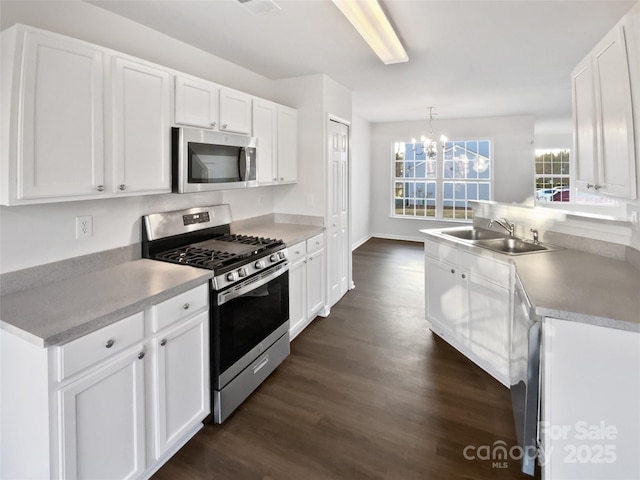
248	240
196	257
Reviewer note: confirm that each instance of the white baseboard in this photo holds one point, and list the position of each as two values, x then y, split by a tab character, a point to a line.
386	236
360	242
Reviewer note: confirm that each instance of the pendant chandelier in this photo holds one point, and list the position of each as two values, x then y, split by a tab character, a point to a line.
427	145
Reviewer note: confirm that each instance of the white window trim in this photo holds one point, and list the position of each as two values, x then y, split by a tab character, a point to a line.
439	180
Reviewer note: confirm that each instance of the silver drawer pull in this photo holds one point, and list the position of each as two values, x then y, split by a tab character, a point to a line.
140	355
110	343
258	367
163	342
186	306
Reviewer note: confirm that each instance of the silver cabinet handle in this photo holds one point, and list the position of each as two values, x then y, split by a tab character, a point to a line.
213	124
464	276
225	125
122	187
594	186
100	188
282	179
453	270
163	342
110	343
186	306
140	355
275	179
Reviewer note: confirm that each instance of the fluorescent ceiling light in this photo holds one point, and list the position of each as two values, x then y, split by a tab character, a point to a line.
370	21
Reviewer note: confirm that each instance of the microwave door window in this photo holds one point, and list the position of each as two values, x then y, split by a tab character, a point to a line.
213	163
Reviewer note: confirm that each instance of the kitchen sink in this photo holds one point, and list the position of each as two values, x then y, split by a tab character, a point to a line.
497	241
474	234
514	246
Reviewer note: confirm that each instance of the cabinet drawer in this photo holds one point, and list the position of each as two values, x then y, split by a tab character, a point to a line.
180	307
297	251
99	345
441	251
489	269
315	243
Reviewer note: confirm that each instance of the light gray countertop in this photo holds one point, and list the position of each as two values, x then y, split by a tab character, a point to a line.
290	233
61	311
572	285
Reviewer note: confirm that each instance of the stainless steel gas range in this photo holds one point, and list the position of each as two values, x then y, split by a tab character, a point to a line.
249	295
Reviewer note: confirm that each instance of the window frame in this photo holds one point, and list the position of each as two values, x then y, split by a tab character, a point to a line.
439	180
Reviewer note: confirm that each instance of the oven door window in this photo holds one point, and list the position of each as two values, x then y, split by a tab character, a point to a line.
215	163
245	321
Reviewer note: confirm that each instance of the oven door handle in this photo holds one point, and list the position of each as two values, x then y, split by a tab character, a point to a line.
252	284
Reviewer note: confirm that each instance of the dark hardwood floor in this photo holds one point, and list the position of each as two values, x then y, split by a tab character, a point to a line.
367	393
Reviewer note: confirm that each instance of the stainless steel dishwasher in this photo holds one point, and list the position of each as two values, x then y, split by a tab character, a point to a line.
524	376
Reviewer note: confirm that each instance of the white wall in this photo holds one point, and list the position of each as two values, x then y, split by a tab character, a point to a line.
360	180
36	234
315	97
513	168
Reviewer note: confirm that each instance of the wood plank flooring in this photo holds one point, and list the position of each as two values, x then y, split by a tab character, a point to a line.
367	393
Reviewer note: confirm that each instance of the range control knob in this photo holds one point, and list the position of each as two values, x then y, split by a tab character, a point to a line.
273	258
242	272
259	264
281	255
231	276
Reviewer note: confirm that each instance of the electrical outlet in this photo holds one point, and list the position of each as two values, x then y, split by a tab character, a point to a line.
84	227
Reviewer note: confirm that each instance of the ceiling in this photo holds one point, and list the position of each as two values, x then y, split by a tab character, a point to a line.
466	58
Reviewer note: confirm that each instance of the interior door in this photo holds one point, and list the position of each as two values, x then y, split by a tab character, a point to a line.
339	249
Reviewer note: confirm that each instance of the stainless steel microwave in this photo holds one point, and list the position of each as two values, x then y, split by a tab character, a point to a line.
204	160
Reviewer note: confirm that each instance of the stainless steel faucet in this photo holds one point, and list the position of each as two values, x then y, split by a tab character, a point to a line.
504	223
535	235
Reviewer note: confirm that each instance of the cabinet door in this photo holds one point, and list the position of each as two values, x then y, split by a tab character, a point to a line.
297	296
617	168
141	128
590	424
446	298
489	317
182	378
287	145
196	103
61	130
103	419
235	111
264	129
315	283
584	125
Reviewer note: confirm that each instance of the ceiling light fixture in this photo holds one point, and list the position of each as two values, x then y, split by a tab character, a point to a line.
258	7
428	144
370	21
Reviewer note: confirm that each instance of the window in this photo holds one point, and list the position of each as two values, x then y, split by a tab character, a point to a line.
552	176
553	180
422	190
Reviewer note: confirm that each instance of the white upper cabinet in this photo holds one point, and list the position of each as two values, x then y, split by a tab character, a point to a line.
276	128
235	111
141	124
265	129
56	145
605	157
287	144
196	103
80	121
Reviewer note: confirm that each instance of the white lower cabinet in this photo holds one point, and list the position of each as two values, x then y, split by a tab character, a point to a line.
113	404
181	397
102	421
307	290
468	302
590	401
